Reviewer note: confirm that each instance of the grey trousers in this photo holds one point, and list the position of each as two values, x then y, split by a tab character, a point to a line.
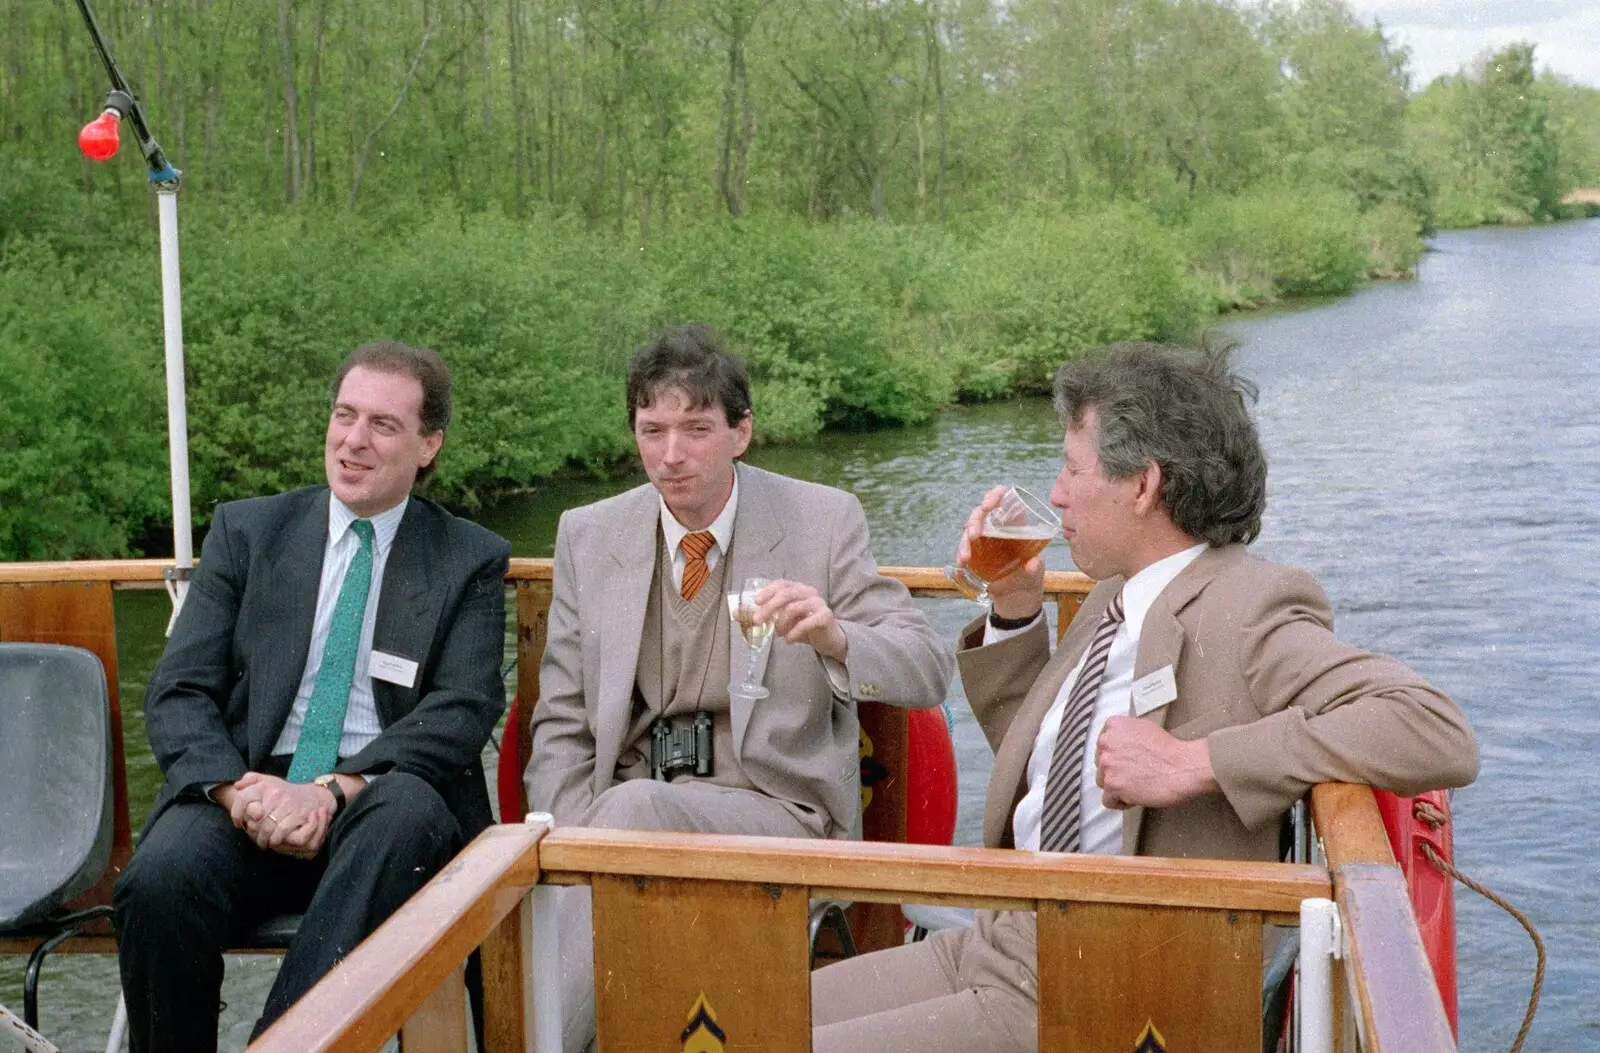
645	804
972	989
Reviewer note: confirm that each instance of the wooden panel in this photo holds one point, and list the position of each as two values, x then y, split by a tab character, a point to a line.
1395	997
1108	971
507	988
883	817
664	948
1347	821
440	1023
80	615
533	625
373	991
865	869
930	581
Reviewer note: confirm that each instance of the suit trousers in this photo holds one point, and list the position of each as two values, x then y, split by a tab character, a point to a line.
645	804
972	989
197	885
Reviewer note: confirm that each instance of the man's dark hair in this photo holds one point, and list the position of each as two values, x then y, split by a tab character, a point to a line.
419	363
1185	410
692	359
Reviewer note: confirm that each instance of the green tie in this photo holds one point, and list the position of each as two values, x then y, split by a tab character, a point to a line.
318	749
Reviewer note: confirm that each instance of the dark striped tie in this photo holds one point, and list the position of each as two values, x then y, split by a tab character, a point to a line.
1062	825
695	569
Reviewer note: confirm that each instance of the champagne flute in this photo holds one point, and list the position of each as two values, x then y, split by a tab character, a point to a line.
1014	531
744	610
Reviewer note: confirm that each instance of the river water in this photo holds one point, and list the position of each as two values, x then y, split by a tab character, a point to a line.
1435	461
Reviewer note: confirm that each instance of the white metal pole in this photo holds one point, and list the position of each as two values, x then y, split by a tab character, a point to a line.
1319	946
177	399
544	986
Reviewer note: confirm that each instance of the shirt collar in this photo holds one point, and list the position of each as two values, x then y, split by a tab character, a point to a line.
1140	591
721	527
384	525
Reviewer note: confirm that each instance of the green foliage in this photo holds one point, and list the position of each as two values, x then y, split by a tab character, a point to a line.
1044	285
83	466
1279	241
1486	134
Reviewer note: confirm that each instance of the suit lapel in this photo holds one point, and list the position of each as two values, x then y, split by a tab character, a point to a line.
1161	644
288	597
406	616
624	591
757	537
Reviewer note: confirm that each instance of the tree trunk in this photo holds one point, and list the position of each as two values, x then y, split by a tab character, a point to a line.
291	115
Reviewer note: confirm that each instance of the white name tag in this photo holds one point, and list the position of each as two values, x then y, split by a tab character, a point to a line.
392	668
1154	690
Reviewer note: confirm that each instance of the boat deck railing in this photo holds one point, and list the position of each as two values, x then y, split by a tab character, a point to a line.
717	926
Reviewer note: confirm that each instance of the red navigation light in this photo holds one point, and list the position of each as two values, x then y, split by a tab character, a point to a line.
98	140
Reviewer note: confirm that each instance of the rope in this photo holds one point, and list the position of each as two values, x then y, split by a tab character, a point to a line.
1427	813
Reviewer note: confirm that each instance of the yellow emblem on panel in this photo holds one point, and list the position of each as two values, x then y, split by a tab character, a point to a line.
1150	1040
701	1034
872	770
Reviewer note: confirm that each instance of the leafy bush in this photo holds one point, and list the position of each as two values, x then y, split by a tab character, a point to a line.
1279	240
1041	286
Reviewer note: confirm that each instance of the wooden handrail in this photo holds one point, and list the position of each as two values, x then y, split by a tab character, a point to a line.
900	873
1390	981
141	573
371	993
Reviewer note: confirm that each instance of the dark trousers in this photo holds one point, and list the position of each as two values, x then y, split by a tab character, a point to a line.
197	885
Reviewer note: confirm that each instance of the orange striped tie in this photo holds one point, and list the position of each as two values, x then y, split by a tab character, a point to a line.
695	546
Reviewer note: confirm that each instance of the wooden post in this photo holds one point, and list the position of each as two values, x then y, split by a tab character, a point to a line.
507	984
440	1023
1129	979
680	963
883	814
533	623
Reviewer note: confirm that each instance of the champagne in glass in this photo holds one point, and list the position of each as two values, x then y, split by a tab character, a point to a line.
745	612
1014	531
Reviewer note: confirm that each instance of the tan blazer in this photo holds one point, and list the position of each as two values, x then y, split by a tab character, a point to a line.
802	743
1281	702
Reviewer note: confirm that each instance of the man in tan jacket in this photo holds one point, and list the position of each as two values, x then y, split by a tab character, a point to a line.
643	720
1197	695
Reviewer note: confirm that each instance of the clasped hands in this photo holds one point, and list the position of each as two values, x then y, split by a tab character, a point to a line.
1137	762
278	815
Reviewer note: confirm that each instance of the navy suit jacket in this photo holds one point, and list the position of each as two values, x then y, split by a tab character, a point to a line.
226	683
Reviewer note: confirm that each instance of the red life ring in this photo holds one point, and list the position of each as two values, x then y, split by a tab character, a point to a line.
930	778
1433	899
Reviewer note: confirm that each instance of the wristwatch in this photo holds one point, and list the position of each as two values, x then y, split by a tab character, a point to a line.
331	783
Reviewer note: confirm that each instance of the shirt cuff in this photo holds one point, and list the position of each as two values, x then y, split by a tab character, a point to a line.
838	676
991	635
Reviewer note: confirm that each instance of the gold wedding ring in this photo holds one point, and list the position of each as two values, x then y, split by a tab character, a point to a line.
272	817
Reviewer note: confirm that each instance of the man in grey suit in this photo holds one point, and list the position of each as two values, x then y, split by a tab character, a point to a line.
318	713
640	723
1197	695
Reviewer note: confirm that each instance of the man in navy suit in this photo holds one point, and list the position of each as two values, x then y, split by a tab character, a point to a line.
318	713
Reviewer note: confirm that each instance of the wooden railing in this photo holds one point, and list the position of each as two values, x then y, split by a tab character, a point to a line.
407	977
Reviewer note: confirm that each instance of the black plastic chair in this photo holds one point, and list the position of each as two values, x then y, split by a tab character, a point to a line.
55	796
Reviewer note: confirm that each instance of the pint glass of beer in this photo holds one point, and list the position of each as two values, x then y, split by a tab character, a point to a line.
1014	532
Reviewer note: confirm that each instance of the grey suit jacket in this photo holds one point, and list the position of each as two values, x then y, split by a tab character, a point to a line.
802	743
226	683
1281	702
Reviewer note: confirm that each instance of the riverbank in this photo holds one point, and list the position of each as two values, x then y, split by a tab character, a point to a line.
845	324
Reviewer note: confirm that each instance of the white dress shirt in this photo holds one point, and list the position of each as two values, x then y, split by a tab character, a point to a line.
721	531
1101	827
361	724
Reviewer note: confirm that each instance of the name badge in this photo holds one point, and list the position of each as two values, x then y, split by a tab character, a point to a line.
1154	690
392	668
